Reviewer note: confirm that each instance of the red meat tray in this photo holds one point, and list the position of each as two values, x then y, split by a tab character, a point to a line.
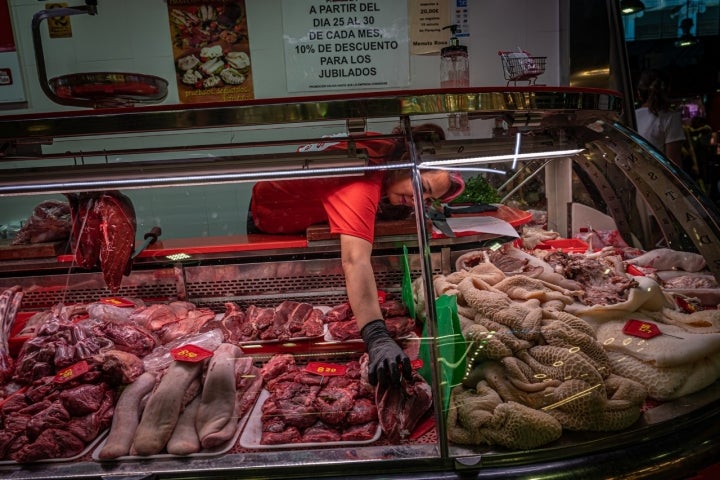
570	245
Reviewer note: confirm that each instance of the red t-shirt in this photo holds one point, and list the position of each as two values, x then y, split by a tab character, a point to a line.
348	204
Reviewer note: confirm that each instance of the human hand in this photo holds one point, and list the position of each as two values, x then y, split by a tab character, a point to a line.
387	360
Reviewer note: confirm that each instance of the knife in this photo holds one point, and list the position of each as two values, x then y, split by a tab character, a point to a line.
440	221
150	238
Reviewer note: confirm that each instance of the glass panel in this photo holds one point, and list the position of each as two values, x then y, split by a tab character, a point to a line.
554	327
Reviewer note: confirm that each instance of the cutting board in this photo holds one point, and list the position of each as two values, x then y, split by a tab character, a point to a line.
33	250
382	229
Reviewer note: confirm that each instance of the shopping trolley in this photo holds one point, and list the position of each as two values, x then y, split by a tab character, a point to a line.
520	66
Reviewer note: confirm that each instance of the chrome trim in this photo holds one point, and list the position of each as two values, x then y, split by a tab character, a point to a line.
478	102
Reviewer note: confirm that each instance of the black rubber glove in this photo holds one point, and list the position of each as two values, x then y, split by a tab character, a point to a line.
387	360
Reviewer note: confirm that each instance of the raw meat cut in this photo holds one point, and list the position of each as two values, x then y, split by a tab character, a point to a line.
126	417
217	403
289	320
163	408
10	300
348	330
72	413
310	408
51	443
602	285
230	324
339	313
103	233
50	220
669	259
344	330
108	312
83	399
128	337
401	408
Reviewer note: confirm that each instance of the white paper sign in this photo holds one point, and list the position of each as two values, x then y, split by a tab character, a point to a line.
428	22
478	224
350	44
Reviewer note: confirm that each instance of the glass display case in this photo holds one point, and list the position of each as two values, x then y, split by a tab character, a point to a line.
560	315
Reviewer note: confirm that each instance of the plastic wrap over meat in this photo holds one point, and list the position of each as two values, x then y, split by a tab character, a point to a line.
103	233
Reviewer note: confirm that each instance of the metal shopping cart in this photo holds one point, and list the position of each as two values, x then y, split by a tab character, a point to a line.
520	66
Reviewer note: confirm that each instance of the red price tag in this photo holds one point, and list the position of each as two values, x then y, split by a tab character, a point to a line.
416	364
633	270
642	329
117	302
686	306
326	369
382	296
190	353
73	371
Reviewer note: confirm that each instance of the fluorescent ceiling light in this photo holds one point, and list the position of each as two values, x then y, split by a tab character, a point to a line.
500	158
183	172
178	256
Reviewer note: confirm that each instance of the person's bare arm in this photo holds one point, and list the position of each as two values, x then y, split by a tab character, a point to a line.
360	279
673	151
387	362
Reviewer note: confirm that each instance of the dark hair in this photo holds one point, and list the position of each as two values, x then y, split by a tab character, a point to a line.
425	132
653	89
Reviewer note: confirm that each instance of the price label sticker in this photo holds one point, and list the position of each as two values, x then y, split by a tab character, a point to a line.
117	302
73	371
190	353
416	364
640	328
382	296
326	369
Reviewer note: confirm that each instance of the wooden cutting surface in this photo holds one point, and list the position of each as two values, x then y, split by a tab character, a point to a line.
382	228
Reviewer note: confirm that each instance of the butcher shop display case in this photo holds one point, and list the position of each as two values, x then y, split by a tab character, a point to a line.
562	321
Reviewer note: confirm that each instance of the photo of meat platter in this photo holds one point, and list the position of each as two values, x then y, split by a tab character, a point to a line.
211	50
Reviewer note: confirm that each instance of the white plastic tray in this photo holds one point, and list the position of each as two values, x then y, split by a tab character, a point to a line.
87	448
219	450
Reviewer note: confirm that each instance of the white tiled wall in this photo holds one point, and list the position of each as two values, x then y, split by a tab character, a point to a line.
133	36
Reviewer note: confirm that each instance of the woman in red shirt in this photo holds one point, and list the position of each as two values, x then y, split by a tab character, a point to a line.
349	205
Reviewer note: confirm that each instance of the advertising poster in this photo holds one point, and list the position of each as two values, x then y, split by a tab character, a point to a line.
345	45
429	20
211	50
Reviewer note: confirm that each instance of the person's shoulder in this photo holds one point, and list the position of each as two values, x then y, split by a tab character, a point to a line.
642	112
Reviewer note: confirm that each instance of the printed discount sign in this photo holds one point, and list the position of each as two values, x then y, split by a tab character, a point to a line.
345	45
